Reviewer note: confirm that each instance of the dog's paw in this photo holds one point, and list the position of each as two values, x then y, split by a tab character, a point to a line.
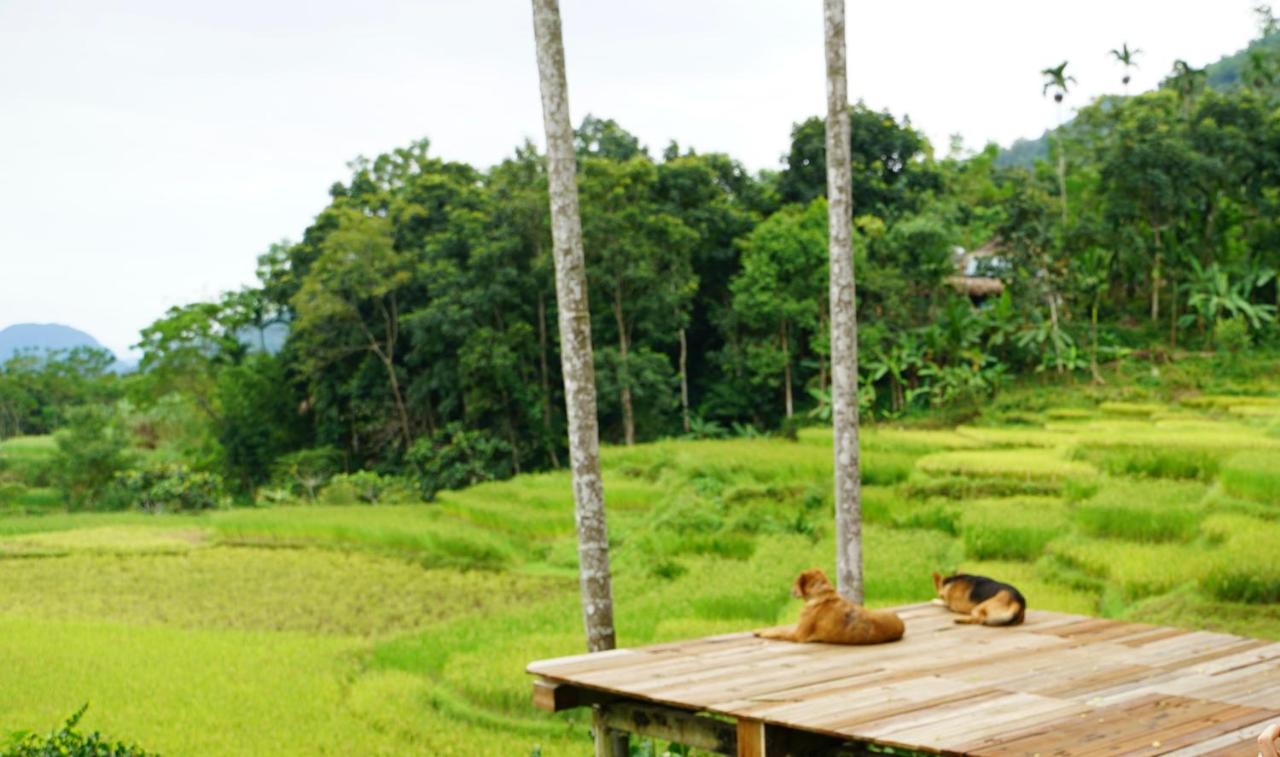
937	601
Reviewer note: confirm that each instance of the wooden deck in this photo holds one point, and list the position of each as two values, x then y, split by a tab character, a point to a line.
1056	685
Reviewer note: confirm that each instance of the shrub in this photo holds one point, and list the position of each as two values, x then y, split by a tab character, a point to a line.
68	742
92	448
169	487
1231	336
306	471
1253	475
369	488
457	457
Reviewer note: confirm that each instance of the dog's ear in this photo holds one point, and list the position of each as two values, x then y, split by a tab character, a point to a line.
937	581
797	588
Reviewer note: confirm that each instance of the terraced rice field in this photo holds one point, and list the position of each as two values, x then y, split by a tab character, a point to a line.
395	629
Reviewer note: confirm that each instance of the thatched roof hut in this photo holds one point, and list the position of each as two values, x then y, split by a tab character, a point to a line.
966	281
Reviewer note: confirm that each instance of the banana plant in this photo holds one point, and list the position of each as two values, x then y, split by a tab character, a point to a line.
1212	293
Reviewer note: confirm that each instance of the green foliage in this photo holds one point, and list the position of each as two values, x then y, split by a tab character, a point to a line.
1231	336
93	447
258	419
69	742
168	487
38	390
304	472
456	457
367	487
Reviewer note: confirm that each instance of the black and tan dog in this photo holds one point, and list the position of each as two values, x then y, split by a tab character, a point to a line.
830	618
982	600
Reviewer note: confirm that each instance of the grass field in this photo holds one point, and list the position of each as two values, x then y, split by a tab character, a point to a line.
406	629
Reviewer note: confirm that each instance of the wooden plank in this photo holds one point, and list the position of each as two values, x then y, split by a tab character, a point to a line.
554	697
951	688
750	738
1238	742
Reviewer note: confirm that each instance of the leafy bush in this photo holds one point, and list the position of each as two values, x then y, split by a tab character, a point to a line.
169	487
1231	336
306	471
68	742
369	488
92	448
457	457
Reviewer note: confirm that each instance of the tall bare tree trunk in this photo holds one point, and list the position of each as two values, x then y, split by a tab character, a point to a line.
575	333
684	379
844	318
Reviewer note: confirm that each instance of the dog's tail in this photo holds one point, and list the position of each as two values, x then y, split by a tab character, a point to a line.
1011	615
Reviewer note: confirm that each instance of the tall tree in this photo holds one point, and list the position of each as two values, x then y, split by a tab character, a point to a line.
351	302
575	332
1056	79
777	295
640	266
844	320
1126	57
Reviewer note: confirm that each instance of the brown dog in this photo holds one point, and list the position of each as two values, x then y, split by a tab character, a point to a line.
830	618
983	601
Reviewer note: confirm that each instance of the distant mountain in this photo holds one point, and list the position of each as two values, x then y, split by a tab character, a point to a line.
46	337
1223	74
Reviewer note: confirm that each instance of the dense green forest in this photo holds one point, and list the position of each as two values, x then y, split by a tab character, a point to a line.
420	308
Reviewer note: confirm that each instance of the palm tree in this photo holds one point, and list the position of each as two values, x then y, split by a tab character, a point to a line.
1057	80
1187	81
844	321
575	332
1126	57
1260	70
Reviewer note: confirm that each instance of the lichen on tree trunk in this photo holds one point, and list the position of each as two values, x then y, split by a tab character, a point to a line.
575	333
844	326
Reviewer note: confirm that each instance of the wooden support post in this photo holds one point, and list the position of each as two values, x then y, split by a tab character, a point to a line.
609	742
670	724
750	738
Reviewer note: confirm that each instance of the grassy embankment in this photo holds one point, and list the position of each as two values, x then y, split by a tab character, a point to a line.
400	629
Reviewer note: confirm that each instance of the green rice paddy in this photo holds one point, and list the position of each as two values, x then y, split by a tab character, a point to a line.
405	629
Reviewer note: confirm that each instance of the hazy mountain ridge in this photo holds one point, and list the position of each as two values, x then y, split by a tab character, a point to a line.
43	337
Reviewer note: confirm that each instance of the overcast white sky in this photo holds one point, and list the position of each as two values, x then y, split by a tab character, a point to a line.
151	149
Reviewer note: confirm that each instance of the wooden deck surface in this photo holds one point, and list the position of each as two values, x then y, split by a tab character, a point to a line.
1056	685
